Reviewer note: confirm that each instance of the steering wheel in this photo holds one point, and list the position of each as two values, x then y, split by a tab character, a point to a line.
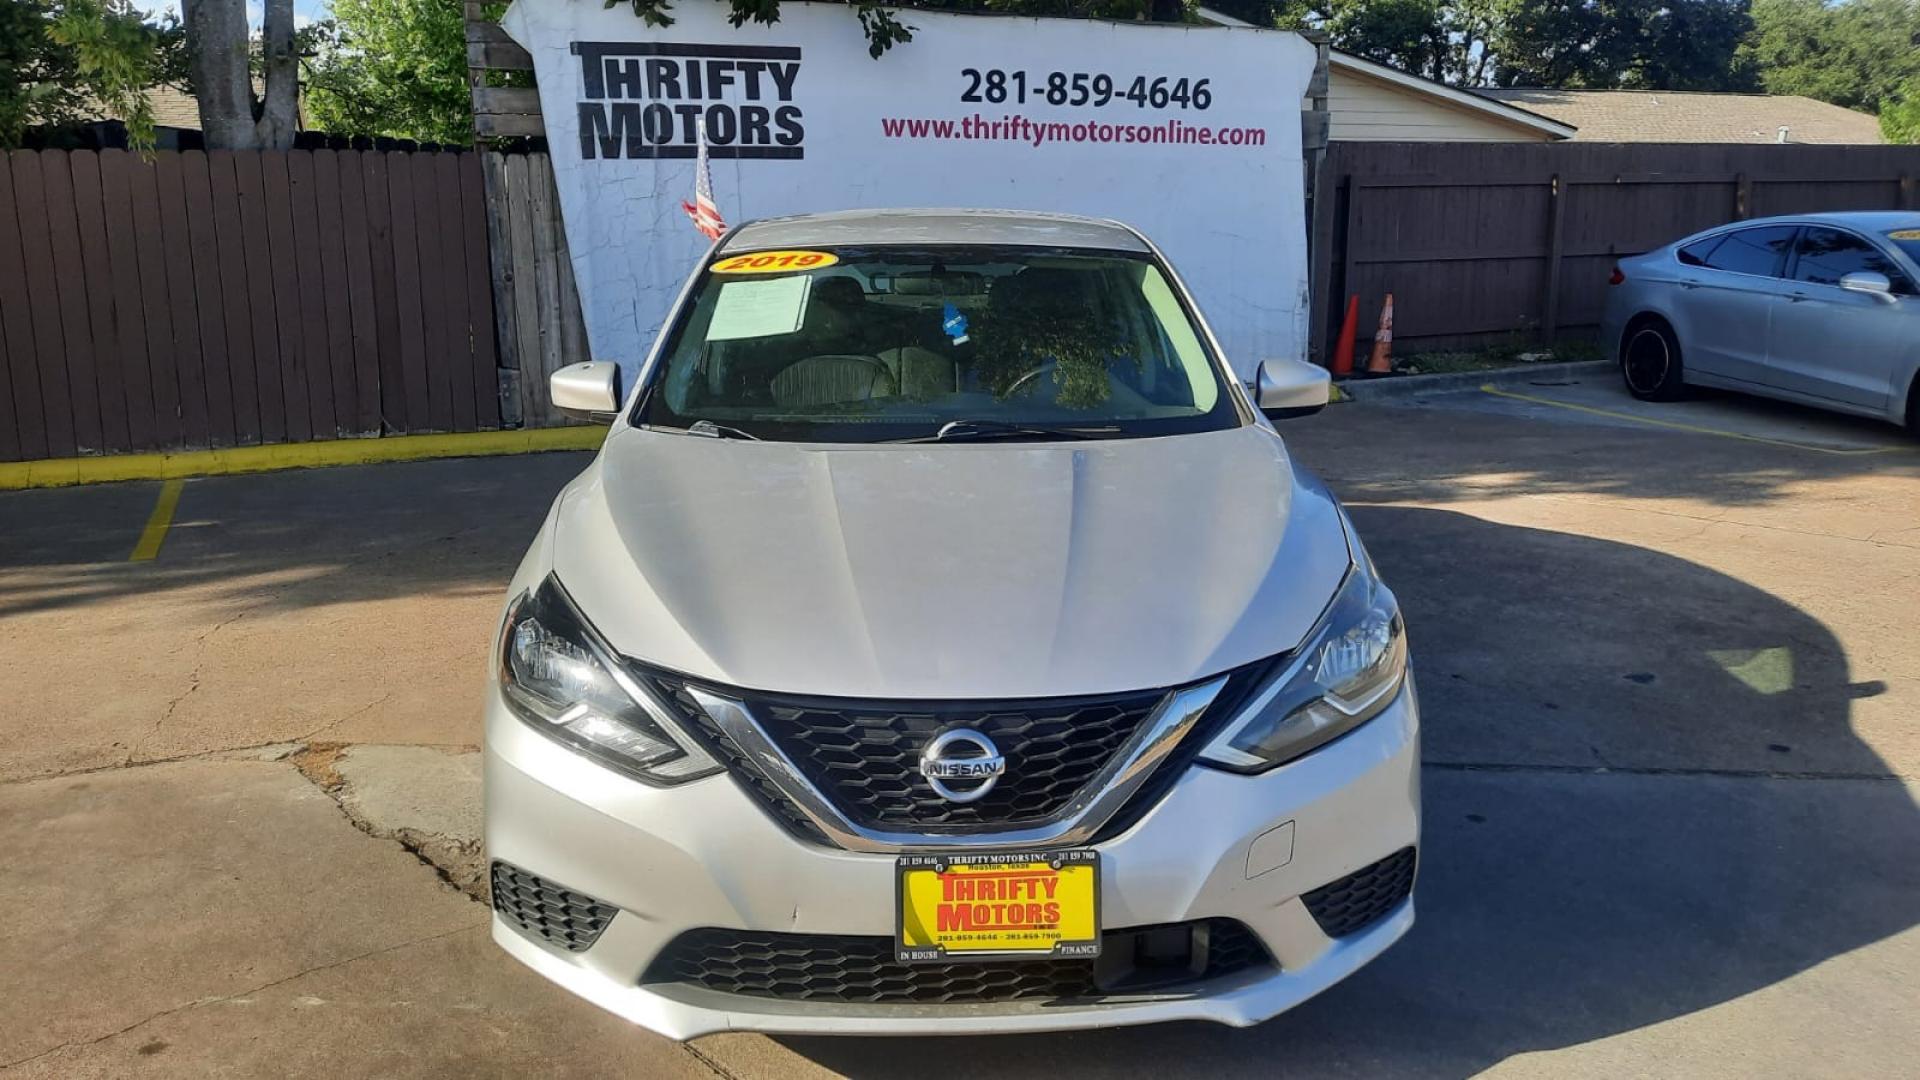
1043	367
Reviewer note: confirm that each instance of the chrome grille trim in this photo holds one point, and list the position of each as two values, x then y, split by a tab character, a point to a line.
1076	823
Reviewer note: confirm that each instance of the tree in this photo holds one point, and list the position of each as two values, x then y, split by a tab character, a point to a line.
392	67
1900	114
220	59
66	61
1679	45
1854	54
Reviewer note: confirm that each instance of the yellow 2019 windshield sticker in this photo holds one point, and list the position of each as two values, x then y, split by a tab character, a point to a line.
1904	234
774	262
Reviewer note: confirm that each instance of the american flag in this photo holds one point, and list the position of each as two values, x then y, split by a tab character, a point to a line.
706	216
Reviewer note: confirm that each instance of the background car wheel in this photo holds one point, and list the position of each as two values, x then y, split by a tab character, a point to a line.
1650	361
1913	408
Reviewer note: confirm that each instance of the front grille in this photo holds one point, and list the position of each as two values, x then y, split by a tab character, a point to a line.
560	917
1363	897
865	756
862	970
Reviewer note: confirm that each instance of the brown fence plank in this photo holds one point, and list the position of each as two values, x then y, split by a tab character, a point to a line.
230	274
313	310
22	376
183	299
156	303
109	360
451	270
407	291
263	289
433	301
333	278
70	275
359	262
209	298
386	305
500	266
277	206
129	320
547	248
526	292
479	289
49	337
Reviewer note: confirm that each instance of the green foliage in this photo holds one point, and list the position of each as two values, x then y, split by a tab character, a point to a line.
114	52
38	79
1608	44
66	61
1854	54
395	68
1900	114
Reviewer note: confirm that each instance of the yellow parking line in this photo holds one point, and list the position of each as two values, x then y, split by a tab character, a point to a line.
155	533
1695	429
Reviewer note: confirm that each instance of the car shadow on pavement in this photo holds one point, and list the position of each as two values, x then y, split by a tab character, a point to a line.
302	538
1644	799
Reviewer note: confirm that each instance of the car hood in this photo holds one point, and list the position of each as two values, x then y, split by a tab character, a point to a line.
981	570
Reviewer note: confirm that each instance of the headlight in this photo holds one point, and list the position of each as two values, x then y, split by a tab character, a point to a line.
1350	669
565	683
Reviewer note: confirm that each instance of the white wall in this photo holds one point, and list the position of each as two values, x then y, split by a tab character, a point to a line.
1373	110
1230	218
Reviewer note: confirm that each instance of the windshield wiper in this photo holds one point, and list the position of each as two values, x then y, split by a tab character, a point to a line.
956	430
717	431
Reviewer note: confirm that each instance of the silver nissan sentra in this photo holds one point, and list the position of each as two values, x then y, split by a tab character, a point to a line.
943	640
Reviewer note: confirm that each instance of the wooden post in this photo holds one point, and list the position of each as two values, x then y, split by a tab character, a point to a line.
1909	192
1350	192
1556	227
1742	197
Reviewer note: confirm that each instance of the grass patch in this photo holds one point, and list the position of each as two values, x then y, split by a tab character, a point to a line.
1494	357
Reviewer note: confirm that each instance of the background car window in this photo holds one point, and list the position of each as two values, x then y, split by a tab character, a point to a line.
1827	255
1696	253
1758	251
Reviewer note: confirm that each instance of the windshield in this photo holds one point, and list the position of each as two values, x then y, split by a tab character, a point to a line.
883	344
1907	240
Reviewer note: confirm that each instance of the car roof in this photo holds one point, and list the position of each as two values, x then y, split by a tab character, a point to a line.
1863	220
920	227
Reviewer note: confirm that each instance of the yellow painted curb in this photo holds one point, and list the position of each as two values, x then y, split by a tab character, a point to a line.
63	472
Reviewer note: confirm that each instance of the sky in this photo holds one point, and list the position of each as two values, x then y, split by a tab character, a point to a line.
304	11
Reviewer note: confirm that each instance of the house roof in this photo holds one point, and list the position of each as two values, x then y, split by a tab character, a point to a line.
1428	88
174	108
1510	112
1669	116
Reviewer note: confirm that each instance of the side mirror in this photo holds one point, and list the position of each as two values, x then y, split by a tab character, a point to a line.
587	391
1288	388
1866	281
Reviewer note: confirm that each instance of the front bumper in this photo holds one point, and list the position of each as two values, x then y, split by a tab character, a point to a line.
705	855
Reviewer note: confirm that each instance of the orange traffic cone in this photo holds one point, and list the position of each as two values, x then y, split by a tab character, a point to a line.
1381	362
1343	351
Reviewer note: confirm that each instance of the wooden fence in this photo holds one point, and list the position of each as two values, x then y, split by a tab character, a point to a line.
537	309
1480	241
231	298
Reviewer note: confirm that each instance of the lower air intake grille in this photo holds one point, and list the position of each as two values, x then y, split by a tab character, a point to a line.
1363	897
560	917
862	970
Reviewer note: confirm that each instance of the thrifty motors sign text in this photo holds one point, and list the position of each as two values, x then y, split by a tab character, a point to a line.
651	99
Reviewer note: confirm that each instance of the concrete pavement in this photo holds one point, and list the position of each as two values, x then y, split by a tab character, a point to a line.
1670	682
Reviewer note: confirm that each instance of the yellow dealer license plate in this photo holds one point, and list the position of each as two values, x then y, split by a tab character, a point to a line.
955	907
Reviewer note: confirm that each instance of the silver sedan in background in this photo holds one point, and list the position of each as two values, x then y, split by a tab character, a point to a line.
1821	309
